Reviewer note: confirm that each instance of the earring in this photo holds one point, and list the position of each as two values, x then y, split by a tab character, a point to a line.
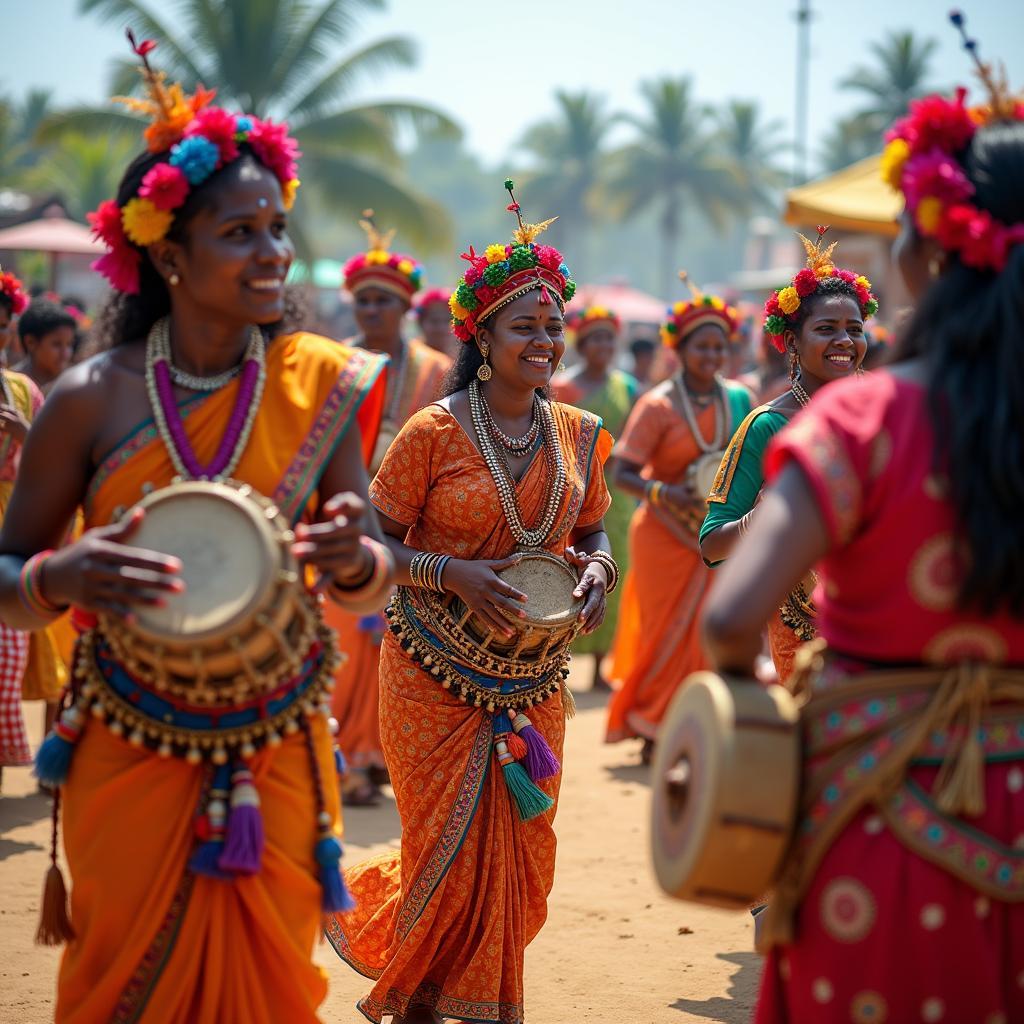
794	364
484	372
934	266
561	368
174	280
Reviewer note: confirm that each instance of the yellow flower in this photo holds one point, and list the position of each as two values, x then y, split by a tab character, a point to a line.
405	267
863	282
597	313
680	308
457	310
894	157
143	223
929	213
376	257
495	253
289	191
789	300
717	303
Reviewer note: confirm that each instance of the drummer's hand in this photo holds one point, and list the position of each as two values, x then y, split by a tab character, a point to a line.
333	546
592	585
13	424
483	591
101	573
680	498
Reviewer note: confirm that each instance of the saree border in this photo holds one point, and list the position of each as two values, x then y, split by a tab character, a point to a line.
727	469
431	995
586	444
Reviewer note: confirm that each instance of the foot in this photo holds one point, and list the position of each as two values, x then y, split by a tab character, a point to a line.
359	791
599	683
647	752
419	1015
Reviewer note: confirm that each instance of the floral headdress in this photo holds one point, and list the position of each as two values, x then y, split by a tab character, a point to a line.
15	291
924	160
583	321
686	316
432	297
505	272
393	271
780	311
198	139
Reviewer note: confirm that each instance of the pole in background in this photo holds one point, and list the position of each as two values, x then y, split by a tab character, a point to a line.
803	62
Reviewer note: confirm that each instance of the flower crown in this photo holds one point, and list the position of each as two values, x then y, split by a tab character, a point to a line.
583	321
199	140
686	316
923	160
393	271
504	272
15	291
432	296
780	311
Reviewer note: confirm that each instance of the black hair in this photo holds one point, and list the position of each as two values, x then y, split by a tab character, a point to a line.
827	288
43	316
641	346
125	318
8	303
967	330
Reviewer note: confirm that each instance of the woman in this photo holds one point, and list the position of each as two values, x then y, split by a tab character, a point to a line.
597	386
181	910
435	320
905	880
678	423
382	284
21	400
818	320
441	928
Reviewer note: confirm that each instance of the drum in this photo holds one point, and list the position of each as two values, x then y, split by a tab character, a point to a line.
244	621
552	613
700	477
725	780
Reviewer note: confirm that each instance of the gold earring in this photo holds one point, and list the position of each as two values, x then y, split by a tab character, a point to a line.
484	372
935	266
174	280
561	368
794	364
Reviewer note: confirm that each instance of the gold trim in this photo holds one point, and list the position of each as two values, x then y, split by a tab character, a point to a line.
727	470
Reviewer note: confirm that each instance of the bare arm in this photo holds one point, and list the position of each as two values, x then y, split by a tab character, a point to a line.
718	545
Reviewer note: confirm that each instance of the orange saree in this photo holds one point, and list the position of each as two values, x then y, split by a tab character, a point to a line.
154	941
445	923
354	702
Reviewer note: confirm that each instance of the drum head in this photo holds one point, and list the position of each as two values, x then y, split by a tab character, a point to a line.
548	583
228	552
704	472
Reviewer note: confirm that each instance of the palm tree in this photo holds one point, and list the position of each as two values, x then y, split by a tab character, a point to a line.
752	145
570	151
899	75
19	125
271	58
674	162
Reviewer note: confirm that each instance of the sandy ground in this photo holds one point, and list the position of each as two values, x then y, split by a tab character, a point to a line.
614	949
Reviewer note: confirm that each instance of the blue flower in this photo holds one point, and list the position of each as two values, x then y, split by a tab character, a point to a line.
563	269
243	124
196	157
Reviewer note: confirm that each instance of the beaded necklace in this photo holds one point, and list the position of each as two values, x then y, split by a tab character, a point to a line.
160	389
718	438
536	536
516	446
799	392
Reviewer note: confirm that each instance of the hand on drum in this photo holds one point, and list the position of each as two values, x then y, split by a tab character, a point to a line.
101	573
592	585
333	546
483	591
680	498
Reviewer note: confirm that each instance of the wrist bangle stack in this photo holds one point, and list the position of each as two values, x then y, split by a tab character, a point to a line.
611	568
30	588
368	595
427	569
652	491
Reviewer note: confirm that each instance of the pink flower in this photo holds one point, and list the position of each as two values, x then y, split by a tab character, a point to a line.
165	186
934	174
548	256
805	283
275	149
486	294
846	275
461	331
120	266
473	273
772	307
105	222
354	264
219	127
935	121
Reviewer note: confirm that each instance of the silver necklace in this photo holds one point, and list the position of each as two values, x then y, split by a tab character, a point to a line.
799	392
516	446
192	381
718	438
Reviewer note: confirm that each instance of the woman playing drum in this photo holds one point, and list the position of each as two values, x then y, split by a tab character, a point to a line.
901	899
679	424
469	485
819	320
197	821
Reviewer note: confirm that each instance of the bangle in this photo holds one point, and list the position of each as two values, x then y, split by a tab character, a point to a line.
366	596
30	588
610	566
654	488
426	570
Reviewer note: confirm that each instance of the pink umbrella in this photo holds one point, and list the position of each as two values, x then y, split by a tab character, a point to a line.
630	304
56	235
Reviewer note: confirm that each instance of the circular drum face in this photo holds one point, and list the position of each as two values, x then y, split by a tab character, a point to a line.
548	584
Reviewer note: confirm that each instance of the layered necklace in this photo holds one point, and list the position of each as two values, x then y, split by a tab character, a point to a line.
515	446
162	375
493	450
717	442
799	392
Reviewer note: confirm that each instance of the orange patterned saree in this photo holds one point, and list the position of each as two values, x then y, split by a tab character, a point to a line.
445	923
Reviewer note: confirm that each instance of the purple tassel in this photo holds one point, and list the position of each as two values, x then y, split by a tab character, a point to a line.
540	763
243	842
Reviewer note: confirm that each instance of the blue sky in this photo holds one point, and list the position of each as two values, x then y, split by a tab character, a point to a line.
493	65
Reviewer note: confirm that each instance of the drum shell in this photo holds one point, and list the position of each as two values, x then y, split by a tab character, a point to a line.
722	840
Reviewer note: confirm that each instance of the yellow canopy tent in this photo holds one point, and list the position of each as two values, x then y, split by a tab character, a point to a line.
853	199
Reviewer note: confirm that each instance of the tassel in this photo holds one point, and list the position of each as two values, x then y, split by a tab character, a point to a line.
530	800
243	841
209	828
54	919
336	897
339	763
960	785
516	746
568	701
544	299
53	758
540	762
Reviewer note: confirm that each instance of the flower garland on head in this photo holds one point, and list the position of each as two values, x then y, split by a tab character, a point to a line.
782	307
686	316
504	272
15	291
583	321
377	267
198	139
431	297
923	159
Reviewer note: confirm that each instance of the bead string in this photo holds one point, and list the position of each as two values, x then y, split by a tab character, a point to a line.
516	446
799	392
718	438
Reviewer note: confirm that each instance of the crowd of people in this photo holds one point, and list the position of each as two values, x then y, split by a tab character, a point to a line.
457	512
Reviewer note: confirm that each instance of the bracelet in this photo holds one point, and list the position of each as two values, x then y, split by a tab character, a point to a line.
30	588
427	569
653	491
367	595
610	566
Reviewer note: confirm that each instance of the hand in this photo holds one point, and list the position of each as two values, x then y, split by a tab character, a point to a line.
483	591
680	498
593	585
13	424
100	573
333	546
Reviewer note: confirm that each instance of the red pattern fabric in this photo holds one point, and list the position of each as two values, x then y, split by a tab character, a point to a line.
14	749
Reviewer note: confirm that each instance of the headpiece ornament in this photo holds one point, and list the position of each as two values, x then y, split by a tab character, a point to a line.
15	291
685	316
502	273
198	139
583	321
782	307
432	297
395	272
924	159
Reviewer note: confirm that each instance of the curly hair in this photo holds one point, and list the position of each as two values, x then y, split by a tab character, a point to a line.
827	288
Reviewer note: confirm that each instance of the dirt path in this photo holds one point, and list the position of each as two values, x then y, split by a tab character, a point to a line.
614	949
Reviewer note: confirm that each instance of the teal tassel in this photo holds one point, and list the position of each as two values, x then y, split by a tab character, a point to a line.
530	800
53	758
336	896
